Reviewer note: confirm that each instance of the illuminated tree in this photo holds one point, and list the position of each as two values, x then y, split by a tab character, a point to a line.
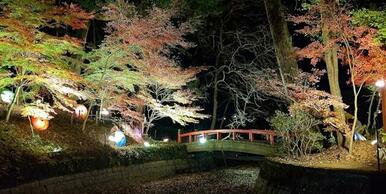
34	60
355	45
135	58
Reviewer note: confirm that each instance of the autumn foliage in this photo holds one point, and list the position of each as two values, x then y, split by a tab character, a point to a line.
357	44
38	64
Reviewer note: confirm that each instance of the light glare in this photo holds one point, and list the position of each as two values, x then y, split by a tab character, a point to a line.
202	140
146	144
374	142
7	96
380	83
105	112
166	140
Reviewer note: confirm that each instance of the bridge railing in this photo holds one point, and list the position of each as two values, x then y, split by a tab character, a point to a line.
192	136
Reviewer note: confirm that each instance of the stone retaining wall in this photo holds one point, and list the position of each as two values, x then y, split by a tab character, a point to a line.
106	178
275	178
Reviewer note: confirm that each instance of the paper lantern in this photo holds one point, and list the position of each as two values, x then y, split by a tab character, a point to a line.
81	112
39	123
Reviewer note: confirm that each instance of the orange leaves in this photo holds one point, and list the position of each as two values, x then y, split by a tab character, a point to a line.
355	44
70	15
145	44
313	51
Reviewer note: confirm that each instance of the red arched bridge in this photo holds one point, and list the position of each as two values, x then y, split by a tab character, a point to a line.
251	141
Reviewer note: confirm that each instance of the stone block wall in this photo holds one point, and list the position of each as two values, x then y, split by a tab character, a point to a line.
106	178
278	178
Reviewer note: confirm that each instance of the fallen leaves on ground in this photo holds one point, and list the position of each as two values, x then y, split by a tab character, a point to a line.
231	180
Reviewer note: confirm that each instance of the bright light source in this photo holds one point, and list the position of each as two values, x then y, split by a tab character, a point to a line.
105	112
81	111
202	140
65	90
380	83
166	140
58	149
146	144
7	96
374	142
119	138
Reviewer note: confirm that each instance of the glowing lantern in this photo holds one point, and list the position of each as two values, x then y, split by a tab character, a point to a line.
81	112
7	96
39	123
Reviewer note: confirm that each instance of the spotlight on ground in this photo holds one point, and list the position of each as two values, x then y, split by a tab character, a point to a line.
373	142
146	144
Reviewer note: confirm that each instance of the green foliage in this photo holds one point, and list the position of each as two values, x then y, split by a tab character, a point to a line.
129	64
306	5
38	109
35	61
382	135
298	132
157	151
372	18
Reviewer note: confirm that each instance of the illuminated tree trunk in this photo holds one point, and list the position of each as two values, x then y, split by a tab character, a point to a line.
331	58
215	96
99	117
369	112
86	119
281	40
375	114
12	105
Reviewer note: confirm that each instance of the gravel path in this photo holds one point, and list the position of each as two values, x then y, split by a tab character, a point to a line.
229	180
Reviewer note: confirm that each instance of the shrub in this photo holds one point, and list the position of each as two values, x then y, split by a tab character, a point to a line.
299	133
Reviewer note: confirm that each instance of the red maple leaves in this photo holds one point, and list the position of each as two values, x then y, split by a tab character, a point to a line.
356	44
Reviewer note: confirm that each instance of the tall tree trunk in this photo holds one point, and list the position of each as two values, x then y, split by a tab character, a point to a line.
215	101
331	58
12	105
282	40
375	114
369	112
86	119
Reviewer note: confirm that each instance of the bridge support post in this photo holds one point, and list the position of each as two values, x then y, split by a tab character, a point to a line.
218	135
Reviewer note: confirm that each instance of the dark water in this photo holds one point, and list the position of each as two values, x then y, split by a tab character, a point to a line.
238	180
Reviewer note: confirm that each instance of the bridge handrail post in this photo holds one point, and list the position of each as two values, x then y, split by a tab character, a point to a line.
271	139
250	136
179	136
